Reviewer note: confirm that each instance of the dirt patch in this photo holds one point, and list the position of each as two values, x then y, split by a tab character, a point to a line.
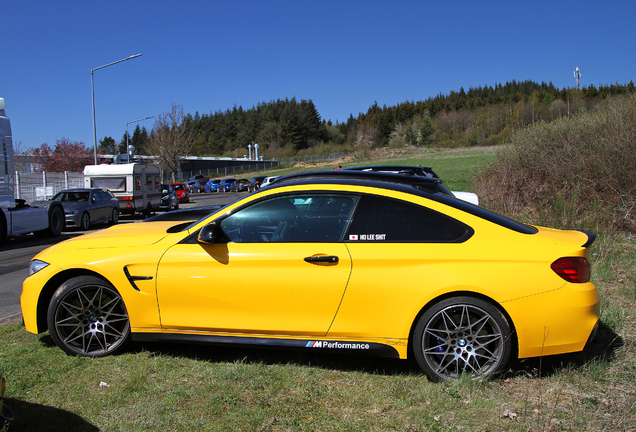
342	160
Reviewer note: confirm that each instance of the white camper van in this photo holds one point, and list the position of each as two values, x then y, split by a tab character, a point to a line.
136	186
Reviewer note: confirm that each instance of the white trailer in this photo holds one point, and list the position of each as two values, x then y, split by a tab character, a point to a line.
16	216
136	186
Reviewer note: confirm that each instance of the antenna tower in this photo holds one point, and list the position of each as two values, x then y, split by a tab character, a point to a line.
577	75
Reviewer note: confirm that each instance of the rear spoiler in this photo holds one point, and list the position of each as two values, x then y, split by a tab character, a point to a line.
590	239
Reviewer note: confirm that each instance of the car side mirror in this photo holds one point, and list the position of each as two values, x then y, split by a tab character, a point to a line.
210	234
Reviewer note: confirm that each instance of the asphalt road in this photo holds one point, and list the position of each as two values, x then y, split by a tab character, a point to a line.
16	253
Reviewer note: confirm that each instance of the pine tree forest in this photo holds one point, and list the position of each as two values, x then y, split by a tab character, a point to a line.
480	116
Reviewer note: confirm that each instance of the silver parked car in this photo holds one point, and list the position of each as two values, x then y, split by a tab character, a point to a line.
84	207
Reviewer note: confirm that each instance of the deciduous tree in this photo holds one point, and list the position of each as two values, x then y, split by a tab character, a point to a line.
170	140
65	156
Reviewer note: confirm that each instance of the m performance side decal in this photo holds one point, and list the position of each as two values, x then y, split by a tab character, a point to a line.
338	345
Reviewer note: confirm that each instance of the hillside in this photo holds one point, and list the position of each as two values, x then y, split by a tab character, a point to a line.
480	116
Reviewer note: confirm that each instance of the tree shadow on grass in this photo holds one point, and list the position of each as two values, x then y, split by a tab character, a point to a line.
42	418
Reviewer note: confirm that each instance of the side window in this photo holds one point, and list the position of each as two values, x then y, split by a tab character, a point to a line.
157	182
311	217
148	182
137	182
387	220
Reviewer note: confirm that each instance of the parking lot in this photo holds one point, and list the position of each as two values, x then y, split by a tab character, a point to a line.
17	252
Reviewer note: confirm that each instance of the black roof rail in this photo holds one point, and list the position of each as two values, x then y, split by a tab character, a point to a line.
426	184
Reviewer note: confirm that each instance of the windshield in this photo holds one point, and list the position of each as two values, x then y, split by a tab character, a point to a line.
111	183
72	197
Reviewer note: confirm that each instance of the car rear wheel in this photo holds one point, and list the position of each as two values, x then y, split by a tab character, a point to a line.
56	223
88	317
462	335
114	217
148	212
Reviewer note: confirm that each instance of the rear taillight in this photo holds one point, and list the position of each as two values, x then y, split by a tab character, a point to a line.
572	269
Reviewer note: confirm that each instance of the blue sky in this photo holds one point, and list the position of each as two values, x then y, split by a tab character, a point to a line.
343	55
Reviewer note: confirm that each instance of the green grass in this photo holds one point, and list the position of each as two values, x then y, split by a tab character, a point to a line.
455	167
200	387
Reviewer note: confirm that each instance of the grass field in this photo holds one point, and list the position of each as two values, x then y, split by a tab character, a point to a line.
198	387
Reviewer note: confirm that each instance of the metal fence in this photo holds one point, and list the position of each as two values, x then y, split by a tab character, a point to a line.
228	170
42	186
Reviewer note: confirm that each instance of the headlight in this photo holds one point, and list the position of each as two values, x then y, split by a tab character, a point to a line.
71	212
36	265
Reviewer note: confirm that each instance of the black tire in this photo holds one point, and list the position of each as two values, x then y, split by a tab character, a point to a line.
176	207
148	212
87	317
114	217
3	228
85	222
462	335
56	223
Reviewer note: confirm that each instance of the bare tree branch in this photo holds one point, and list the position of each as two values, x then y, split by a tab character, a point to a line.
169	140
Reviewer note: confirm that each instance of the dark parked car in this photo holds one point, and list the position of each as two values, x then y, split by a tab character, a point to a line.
197	177
255	183
200	184
192	186
415	171
86	206
240	185
398	169
184	215
169	197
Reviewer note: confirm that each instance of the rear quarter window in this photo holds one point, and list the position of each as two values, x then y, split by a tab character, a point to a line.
388	220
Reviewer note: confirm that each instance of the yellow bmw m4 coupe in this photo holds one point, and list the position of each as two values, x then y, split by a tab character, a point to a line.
337	261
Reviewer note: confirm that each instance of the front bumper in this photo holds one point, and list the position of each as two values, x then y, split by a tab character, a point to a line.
73	220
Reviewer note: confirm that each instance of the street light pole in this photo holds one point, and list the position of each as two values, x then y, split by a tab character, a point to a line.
134	121
93	97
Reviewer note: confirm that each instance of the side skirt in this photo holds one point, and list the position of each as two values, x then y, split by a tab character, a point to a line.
364	348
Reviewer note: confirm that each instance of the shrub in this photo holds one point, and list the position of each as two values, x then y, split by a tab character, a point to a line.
573	172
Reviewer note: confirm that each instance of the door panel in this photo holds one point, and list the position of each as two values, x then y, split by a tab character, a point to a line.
265	288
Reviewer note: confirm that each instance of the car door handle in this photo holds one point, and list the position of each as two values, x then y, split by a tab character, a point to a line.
322	259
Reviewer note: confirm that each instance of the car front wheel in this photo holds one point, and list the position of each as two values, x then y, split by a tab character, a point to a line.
87	317
85	222
462	335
